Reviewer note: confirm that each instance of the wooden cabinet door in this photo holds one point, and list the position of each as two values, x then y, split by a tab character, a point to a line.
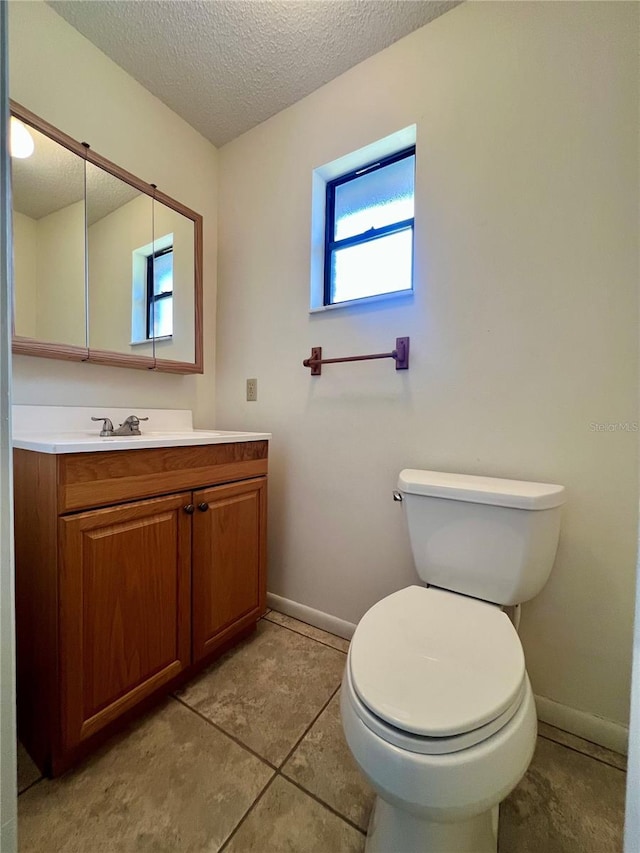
125	598
229	561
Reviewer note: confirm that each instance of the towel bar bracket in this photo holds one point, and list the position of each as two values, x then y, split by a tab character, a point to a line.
402	354
315	362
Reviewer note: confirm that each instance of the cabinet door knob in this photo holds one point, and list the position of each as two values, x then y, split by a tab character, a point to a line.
203	507
189	508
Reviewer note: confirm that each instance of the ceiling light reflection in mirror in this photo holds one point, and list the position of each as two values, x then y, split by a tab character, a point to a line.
21	144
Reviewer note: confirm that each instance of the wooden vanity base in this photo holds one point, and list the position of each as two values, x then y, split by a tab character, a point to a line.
134	569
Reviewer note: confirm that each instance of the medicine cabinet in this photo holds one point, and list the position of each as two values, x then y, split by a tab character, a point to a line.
107	268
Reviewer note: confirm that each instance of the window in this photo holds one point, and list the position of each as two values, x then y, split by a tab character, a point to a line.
160	294
369	217
152	291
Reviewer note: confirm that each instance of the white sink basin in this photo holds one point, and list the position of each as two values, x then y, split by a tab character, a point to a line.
90	442
69	429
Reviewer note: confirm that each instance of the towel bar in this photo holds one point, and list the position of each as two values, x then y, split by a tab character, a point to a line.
400	354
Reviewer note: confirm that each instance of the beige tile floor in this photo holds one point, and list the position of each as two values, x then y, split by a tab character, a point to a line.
250	758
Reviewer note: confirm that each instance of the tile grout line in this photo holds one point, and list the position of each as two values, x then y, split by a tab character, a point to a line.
300	634
218	728
580	752
308	624
278	770
321	802
308	729
248	812
236	740
577	737
279	773
31	785
581	739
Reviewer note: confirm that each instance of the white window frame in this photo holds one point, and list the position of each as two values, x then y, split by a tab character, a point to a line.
139	289
321	176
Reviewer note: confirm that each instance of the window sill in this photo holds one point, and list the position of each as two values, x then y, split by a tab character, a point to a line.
365	300
150	341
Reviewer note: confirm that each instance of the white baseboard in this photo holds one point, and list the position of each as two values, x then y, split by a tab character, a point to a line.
598	730
317	618
588	726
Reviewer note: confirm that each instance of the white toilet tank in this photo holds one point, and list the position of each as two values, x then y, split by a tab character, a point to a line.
489	538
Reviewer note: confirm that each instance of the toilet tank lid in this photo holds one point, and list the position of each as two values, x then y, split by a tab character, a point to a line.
519	494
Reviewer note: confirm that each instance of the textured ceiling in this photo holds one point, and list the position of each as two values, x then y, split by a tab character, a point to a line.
227	65
53	178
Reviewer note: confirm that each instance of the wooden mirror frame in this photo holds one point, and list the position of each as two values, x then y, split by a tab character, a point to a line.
68	352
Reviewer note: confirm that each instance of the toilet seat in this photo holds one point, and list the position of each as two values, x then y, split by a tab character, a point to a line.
428	745
429	666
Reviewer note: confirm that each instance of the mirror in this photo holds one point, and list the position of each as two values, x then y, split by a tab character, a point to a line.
108	269
119	242
49	244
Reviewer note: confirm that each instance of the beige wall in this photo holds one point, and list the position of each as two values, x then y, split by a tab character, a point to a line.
48	256
523	326
62	77
60	291
25	271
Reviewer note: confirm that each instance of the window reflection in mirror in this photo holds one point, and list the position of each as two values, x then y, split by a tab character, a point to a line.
49	243
171	305
120	241
160	293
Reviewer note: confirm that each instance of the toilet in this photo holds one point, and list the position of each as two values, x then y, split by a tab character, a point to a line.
436	705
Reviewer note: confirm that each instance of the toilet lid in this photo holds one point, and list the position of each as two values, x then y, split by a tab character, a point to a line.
435	663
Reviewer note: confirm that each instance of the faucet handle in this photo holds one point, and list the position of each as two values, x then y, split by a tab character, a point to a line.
107	426
134	419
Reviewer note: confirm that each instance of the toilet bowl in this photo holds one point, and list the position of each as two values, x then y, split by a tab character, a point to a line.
436	704
440	769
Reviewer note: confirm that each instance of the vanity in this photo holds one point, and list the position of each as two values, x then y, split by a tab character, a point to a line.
139	559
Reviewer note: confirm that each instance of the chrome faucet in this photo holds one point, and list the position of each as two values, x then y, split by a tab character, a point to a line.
131	426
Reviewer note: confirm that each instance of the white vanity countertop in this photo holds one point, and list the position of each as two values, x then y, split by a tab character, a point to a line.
69	429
